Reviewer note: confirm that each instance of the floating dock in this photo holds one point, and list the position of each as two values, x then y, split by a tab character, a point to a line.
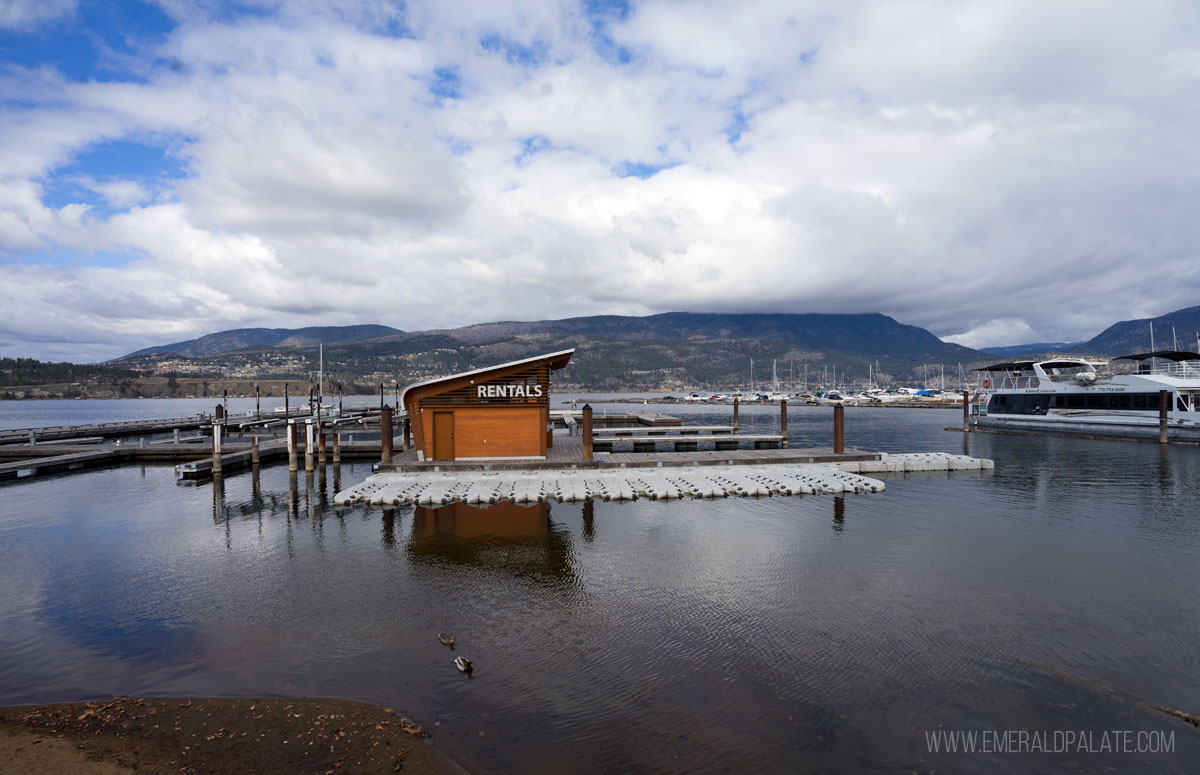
678	478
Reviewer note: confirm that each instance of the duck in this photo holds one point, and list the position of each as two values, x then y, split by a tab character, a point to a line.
464	665
446	638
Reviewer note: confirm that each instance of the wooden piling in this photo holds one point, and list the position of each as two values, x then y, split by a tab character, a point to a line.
320	447
406	435
587	431
735	414
254	451
1164	403
337	448
291	445
386	432
839	429
966	411
216	466
309	463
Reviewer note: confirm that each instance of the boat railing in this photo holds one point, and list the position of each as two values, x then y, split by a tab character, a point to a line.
1013	382
1182	369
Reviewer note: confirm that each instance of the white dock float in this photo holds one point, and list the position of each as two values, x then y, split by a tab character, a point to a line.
439	488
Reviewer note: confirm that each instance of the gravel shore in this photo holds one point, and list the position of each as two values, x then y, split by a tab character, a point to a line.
221	736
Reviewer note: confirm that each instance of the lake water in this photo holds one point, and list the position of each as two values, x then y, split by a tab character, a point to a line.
782	634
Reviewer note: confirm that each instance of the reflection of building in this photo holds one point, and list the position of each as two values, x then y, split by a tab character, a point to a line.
505	536
498	413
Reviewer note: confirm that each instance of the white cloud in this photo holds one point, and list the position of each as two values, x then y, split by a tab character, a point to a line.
986	170
23	14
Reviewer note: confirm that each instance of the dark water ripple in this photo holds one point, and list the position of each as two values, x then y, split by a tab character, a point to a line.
778	634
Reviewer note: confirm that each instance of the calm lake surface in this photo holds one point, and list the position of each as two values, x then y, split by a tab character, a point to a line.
782	634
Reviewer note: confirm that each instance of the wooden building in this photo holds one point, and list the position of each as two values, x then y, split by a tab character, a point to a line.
498	413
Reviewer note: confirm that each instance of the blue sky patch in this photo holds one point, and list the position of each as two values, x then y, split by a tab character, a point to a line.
638	169
601	14
446	82
533	55
94	43
737	125
126	160
531	146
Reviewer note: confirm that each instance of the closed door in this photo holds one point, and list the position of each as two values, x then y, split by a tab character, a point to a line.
443	435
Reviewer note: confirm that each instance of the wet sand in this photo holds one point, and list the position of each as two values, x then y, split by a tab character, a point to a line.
213	735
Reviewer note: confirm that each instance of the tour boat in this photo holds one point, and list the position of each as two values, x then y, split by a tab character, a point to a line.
1119	397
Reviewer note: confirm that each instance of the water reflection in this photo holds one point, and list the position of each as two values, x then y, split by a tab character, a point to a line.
589	520
839	513
389	530
521	540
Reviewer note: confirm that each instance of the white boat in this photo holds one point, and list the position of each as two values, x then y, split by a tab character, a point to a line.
1118	397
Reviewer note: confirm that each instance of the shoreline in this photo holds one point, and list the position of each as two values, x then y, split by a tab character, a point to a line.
217	735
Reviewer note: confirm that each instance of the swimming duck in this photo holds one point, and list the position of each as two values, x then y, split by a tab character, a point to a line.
464	665
446	638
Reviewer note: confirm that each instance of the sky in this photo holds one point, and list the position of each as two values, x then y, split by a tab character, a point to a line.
997	172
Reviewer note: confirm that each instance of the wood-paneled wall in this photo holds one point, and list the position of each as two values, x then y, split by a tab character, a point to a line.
493	431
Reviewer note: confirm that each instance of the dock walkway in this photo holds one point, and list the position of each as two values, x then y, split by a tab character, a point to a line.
676	480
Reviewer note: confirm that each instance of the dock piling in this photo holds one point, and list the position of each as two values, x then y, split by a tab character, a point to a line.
337	448
321	448
385	430
735	414
33	438
309	443
291	446
587	431
254	452
1164	403
783	422
966	411
839	429
216	464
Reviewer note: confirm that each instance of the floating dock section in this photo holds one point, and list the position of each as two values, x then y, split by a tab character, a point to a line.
439	488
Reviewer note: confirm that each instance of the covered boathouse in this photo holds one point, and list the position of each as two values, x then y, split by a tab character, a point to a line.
497	413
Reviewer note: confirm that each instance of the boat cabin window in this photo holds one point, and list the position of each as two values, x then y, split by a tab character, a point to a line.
1015	403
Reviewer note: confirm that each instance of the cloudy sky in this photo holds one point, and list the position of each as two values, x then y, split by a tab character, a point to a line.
997	172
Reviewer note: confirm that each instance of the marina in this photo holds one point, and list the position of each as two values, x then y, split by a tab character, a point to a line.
600	619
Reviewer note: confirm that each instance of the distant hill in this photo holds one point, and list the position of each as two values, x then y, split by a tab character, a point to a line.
1130	336
870	335
1036	348
671	351
259	338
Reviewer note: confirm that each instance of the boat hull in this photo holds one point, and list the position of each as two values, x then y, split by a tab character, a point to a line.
1140	428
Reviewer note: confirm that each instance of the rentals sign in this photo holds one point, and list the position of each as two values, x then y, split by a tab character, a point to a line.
510	391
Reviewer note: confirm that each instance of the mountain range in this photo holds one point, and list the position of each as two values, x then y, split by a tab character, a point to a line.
672	350
258	338
1175	330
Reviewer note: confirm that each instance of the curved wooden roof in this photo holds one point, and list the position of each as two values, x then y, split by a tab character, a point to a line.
454	381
